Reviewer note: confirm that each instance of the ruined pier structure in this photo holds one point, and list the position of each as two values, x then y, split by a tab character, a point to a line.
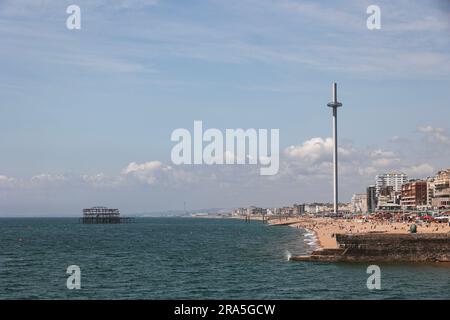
103	215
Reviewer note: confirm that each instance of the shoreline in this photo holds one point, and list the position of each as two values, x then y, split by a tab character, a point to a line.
360	240
309	225
368	240
326	229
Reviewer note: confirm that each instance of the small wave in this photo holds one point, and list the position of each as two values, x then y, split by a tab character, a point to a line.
287	255
311	239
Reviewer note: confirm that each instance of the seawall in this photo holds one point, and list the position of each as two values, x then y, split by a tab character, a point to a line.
424	247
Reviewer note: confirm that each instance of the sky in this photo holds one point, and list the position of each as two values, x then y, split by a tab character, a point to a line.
86	115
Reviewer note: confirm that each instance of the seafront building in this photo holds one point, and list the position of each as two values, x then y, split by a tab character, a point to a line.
371	199
239	212
388	196
299	209
441	190
430	191
315	208
414	194
394	180
256	211
359	203
392	193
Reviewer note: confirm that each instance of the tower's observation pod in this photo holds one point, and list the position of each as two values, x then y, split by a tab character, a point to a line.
334	103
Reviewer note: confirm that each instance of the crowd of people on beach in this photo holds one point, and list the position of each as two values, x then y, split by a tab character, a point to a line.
327	228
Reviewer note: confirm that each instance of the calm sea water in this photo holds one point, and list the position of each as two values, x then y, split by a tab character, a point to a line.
182	258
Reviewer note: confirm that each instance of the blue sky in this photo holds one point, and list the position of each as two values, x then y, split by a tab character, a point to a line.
79	106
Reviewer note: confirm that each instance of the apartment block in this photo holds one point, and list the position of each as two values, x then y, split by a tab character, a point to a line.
414	193
441	190
371	199
394	180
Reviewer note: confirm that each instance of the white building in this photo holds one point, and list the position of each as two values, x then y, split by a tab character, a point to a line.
394	180
239	212
359	203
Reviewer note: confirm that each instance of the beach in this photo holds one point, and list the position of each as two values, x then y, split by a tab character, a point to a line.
326	228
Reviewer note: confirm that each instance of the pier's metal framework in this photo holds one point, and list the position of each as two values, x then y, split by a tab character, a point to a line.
96	215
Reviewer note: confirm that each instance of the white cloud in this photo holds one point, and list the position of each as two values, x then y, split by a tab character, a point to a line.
382	153
149	172
385	162
420	171
435	135
398	139
368	171
312	150
134	167
314	158
6	181
316	154
101	180
301	165
426	129
48	178
42	180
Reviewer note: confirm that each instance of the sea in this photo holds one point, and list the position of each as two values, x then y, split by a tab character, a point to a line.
190	258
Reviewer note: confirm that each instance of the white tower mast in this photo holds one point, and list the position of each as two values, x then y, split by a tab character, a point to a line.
335	104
